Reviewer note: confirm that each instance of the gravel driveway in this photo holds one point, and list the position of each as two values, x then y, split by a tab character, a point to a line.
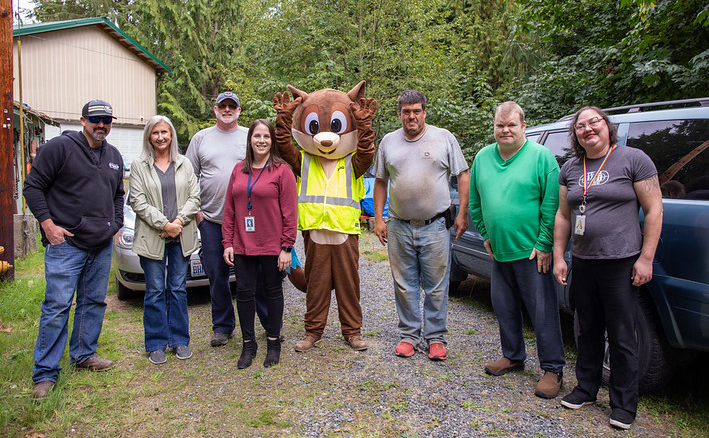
332	390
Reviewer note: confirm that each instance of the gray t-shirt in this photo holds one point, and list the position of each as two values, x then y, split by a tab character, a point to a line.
612	229
418	171
213	154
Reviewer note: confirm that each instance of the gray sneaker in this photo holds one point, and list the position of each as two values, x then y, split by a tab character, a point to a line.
157	357
183	352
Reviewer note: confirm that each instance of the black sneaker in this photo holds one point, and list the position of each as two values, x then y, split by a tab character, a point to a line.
621	419
183	352
219	339
157	357
576	399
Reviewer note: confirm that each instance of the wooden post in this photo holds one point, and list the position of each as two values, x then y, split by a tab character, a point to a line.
7	168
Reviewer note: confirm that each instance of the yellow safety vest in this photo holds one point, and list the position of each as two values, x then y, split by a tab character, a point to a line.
329	204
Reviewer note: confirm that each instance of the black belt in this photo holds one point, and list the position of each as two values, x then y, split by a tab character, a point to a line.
422	222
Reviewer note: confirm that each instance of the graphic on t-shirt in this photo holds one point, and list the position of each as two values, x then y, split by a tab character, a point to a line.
603	178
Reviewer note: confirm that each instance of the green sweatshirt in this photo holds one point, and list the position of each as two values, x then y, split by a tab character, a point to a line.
513	202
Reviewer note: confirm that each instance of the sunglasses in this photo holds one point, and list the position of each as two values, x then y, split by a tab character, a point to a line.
107	120
231	106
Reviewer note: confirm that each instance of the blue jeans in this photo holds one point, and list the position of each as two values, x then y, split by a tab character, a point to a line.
517	282
165	305
420	257
68	269
212	256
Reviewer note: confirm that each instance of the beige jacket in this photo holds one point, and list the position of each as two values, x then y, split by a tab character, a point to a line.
146	201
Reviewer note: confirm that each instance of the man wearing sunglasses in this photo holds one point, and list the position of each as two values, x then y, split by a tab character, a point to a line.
75	191
214	152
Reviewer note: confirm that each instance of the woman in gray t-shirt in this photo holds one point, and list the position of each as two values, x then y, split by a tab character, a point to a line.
600	191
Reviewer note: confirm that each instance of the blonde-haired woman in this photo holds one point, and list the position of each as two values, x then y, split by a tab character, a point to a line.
164	194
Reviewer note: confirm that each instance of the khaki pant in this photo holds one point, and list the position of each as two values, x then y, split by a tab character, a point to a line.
330	267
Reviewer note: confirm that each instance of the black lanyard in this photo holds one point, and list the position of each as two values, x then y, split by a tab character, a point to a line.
250	187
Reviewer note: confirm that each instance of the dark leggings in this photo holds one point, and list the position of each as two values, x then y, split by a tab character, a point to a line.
247	273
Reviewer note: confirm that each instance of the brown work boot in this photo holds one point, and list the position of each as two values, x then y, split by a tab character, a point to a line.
94	364
503	366
307	342
357	343
41	389
549	385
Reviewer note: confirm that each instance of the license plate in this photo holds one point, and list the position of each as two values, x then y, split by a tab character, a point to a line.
196	268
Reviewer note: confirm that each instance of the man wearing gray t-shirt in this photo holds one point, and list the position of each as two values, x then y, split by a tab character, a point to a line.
417	160
214	152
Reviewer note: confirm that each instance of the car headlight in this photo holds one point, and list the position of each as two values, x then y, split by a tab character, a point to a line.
124	238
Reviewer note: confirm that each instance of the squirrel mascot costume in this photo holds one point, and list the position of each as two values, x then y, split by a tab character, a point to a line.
334	130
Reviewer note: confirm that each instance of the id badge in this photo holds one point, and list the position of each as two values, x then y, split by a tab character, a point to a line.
249	224
580	226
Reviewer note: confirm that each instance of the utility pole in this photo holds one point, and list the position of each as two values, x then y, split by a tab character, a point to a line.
7	168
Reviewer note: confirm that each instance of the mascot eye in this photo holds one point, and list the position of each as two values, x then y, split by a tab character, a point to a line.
338	124
312	124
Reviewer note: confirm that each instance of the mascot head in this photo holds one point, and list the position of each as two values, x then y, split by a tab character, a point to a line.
323	123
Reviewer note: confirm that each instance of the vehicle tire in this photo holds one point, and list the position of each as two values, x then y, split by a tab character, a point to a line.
657	358
655	355
123	293
453	288
456	277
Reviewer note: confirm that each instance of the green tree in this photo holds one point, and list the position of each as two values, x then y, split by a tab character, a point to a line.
613	53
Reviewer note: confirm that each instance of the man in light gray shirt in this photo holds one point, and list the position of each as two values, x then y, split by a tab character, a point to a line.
214	152
418	159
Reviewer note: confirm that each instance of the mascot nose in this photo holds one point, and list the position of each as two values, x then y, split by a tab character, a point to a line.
327	140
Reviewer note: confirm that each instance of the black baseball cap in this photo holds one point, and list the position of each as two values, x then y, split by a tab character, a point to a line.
97	107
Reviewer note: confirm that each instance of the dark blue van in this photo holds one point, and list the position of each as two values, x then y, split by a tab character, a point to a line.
675	304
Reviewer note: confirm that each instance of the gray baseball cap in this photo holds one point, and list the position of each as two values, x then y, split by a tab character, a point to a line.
227	95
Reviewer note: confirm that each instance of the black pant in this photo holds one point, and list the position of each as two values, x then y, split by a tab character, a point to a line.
247	278
606	299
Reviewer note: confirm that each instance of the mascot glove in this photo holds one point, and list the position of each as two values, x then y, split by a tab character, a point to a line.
363	112
283	104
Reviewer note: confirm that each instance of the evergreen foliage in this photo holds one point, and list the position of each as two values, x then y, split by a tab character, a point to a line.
466	55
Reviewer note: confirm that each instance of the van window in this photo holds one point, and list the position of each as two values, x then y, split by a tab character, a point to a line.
672	145
559	145
533	137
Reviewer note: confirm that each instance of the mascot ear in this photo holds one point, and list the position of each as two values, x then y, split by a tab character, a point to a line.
356	93
297	93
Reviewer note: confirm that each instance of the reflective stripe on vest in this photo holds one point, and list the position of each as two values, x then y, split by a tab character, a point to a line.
339	211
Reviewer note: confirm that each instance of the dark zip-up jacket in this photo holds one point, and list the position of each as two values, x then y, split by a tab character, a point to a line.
79	189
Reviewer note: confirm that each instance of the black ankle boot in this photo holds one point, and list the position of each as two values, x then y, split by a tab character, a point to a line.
248	351
273	354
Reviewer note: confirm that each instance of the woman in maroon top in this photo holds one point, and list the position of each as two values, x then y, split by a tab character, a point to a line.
259	229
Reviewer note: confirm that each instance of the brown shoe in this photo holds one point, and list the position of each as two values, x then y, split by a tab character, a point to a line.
503	366
41	389
95	364
357	343
549	385
307	342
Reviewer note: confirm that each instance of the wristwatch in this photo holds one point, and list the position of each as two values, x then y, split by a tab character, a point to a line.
286	248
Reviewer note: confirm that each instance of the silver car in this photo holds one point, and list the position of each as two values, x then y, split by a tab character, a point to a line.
130	280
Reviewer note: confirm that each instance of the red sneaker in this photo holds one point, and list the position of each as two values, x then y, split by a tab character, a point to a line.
437	351
405	349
